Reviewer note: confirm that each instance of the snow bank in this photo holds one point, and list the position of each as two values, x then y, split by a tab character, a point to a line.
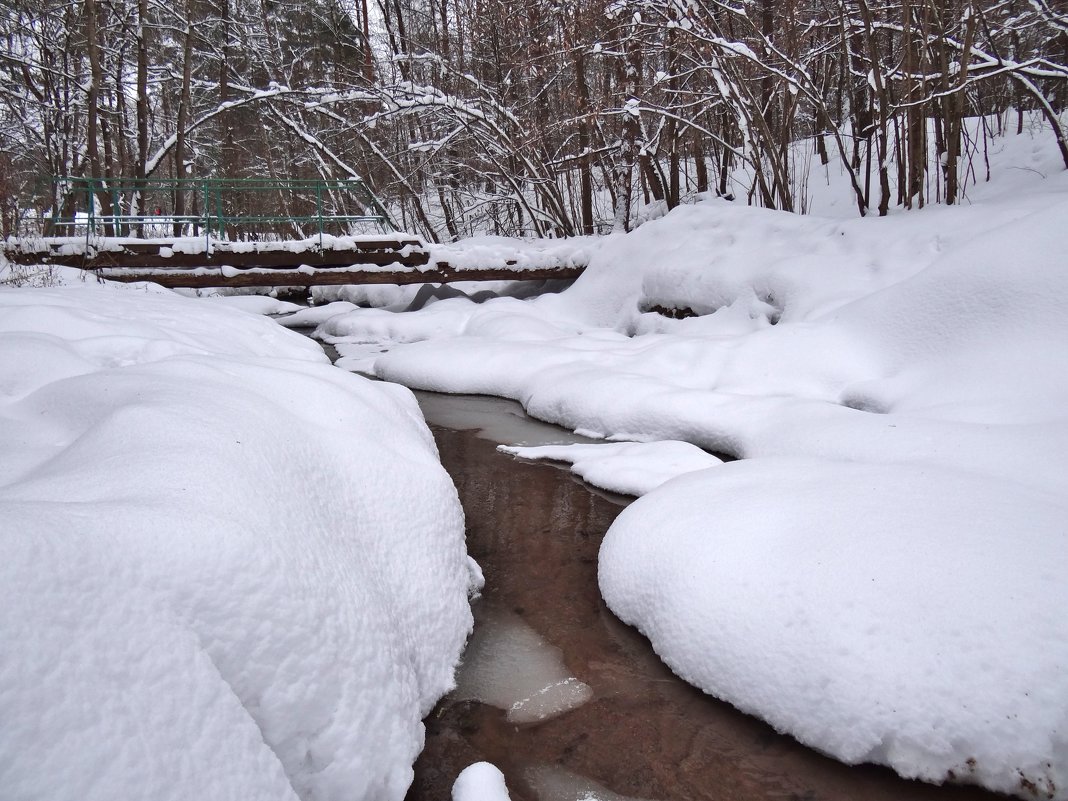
255	303
881	613
228	569
878	576
629	468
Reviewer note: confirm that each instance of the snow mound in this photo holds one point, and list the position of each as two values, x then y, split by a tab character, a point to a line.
879	613
255	304
316	315
228	569
480	781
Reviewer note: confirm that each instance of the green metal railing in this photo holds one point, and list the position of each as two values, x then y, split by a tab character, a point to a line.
215	208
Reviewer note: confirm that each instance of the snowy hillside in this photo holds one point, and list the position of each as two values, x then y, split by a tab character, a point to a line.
881	572
227	569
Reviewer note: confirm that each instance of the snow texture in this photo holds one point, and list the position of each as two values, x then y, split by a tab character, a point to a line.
881	575
228	569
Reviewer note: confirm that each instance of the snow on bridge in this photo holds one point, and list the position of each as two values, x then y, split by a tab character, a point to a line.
319	260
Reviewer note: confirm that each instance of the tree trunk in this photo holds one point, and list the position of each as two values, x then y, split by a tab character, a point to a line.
700	165
141	110
585	175
96	79
183	120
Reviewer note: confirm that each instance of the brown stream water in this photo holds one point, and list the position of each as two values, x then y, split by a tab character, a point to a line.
645	733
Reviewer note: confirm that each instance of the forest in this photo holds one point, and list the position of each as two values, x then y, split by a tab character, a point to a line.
543	118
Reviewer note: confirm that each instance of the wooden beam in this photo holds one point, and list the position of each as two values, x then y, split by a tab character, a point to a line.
442	274
360	245
269	260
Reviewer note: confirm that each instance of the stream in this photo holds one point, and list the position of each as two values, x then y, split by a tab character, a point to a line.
568	701
564	698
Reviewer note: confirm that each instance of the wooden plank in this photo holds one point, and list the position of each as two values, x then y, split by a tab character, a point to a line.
361	245
149	257
146	254
442	274
270	260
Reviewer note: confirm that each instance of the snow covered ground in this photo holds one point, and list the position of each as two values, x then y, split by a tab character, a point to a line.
227	569
881	574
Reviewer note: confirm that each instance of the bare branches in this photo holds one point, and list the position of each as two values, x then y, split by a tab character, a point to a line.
543	117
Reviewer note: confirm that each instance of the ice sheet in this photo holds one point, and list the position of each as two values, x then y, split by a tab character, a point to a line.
509	665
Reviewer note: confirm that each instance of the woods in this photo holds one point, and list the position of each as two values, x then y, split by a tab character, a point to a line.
550	118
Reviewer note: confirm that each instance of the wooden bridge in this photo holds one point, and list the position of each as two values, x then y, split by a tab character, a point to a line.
220	232
381	259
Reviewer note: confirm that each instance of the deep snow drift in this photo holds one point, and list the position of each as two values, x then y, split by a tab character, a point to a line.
881	574
227	569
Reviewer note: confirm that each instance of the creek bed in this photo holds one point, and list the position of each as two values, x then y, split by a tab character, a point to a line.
636	731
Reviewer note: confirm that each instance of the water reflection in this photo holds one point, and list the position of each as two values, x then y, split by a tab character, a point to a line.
497	419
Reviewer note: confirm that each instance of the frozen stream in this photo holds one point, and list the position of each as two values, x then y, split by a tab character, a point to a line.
565	699
570	703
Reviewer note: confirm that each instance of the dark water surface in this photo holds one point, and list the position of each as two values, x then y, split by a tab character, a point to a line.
645	733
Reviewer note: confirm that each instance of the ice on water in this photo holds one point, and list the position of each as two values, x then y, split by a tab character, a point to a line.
510	666
494	419
552	783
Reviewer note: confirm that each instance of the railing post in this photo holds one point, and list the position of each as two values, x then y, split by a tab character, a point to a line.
219	210
90	222
206	219
319	210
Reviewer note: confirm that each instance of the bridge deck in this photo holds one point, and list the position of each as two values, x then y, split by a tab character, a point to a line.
196	263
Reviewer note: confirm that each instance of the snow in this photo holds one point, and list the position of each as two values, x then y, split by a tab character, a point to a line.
513	253
315	315
878	574
228	569
629	468
256	304
192	245
898	614
480	781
